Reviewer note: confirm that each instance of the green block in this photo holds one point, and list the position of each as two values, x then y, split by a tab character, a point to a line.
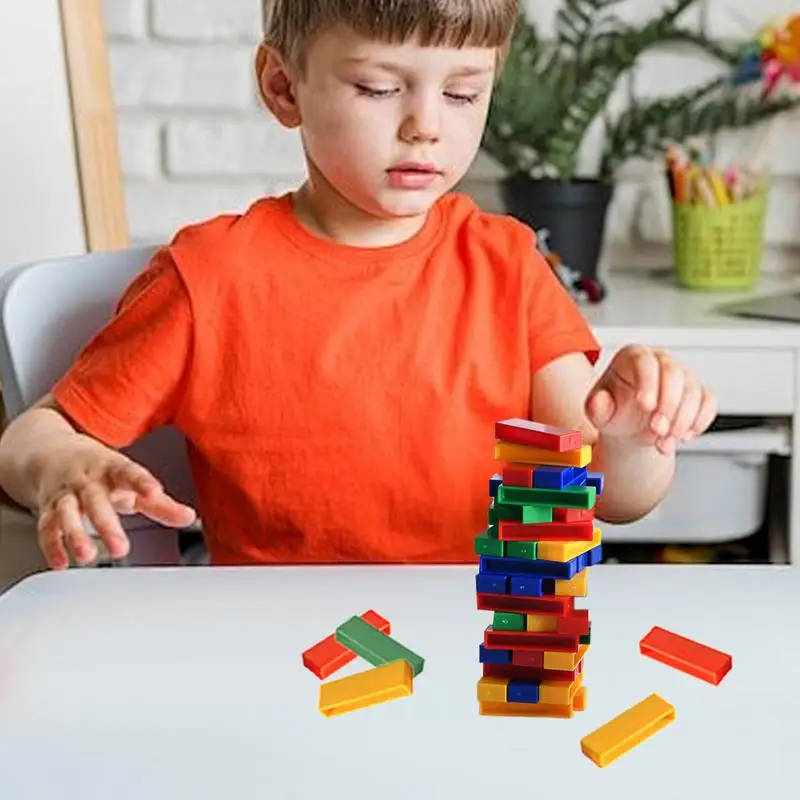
491	531
521	550
517	512
506	621
587	639
571	497
375	647
485	545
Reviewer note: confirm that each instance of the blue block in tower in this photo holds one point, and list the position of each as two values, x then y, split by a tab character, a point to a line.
522	690
494	482
550	477
595	479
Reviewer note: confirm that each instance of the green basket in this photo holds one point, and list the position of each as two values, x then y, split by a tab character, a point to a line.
719	248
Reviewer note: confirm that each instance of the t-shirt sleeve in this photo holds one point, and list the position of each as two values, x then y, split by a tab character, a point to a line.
556	326
128	379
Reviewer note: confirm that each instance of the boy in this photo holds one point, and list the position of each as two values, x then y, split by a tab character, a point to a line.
337	356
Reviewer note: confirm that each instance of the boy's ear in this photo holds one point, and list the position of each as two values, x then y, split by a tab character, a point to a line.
276	87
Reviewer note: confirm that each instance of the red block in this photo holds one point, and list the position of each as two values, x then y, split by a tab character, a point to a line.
518	476
545	531
522	604
529	640
513	671
573	514
326	657
528	658
687	655
574	624
534	434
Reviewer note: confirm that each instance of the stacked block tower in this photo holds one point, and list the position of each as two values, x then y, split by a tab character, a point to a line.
534	560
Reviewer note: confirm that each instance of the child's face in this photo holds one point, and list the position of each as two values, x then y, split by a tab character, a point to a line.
392	127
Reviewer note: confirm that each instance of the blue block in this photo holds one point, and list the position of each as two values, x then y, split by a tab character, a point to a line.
485	583
487	656
521	690
495	481
550	477
595	556
595	479
525	568
529	587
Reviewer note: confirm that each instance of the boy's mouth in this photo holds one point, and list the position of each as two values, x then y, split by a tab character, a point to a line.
416	168
413	175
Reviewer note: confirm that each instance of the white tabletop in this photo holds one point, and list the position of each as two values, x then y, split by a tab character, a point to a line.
188	683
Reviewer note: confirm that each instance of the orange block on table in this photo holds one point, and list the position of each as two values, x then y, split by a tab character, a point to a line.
687	655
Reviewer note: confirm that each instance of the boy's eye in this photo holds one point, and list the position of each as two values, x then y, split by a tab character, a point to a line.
370	91
462	98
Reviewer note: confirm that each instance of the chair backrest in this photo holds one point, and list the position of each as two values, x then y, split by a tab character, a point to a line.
48	312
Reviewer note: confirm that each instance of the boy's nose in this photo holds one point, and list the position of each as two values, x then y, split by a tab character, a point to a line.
421	125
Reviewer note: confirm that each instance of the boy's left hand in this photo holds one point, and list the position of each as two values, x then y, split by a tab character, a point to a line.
645	396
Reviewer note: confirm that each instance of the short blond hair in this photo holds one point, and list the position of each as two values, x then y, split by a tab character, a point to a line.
290	24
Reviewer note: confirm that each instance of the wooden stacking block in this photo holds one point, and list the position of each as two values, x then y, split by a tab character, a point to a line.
628	729
521	454
377	685
686	655
566	551
535	434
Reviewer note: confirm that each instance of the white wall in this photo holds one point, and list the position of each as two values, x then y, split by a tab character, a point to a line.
195	140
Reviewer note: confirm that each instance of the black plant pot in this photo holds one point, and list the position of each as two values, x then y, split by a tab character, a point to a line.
573	211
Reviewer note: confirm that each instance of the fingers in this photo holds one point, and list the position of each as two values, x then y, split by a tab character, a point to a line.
161	508
672	385
97	507
62	533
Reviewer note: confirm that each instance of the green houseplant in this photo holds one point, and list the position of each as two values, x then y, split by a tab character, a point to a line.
551	92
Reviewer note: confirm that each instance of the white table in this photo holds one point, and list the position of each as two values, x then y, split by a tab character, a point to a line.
153	684
752	365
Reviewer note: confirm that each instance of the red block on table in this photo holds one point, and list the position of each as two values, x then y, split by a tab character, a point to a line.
529	640
326	657
513	671
508	531
534	434
523	604
518	475
687	655
573	514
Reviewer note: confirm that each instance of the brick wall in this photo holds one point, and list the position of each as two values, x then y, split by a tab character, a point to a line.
195	140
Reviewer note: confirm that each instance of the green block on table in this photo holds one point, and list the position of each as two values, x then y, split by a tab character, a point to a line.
521	550
572	497
586	638
506	621
485	545
375	647
517	512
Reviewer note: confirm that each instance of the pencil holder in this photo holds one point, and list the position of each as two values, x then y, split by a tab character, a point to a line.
719	248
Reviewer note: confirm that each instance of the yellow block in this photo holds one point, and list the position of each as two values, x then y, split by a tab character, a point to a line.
567	661
625	731
559	692
378	685
492	689
575	586
579	702
566	551
522	454
524	710
541	623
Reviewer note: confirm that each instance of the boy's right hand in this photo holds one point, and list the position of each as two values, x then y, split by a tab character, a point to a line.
98	484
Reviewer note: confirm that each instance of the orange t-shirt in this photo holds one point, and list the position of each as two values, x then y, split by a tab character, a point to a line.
338	402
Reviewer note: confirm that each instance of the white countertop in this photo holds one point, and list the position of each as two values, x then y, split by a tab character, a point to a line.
188	683
649	307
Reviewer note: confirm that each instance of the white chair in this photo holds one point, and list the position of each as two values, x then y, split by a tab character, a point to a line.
48	312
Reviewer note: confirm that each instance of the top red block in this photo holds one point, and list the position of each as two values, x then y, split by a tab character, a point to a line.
534	434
